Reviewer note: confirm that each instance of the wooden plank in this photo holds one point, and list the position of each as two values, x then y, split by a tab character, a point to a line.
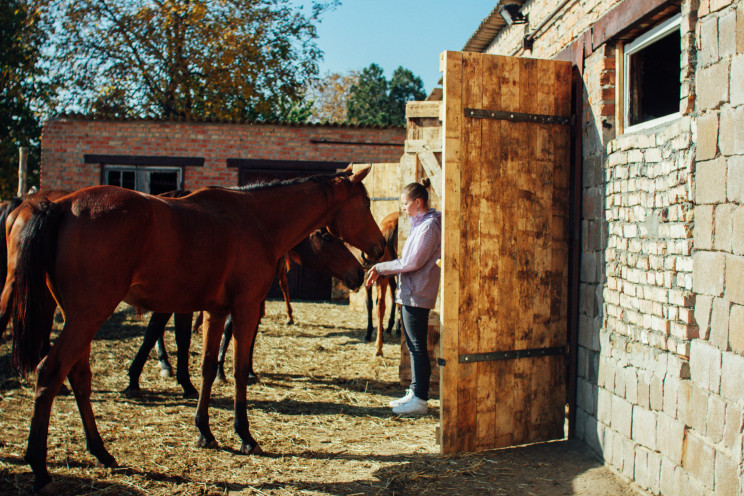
422	109
467	393
433	170
449	339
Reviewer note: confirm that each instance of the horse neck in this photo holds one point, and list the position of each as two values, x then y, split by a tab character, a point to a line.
296	210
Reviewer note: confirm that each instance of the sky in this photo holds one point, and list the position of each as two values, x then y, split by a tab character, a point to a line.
393	33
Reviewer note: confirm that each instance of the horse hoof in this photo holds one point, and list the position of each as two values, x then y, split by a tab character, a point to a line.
252	379
247	449
202	443
106	461
190	394
165	373
48	489
290	322
368	338
378	353
220	379
131	392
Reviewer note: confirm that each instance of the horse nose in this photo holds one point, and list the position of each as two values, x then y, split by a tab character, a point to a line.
355	280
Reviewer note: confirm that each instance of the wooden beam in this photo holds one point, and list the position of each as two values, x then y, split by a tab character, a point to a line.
422	109
433	170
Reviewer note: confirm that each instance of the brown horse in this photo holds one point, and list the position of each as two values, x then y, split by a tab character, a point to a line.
214	250
389	228
320	251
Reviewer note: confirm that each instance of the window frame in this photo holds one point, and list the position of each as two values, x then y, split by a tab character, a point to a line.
142	174
625	53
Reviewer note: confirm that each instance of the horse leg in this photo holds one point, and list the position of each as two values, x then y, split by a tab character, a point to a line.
284	286
80	380
154	331
165	367
246	322
382	285
197	322
252	376
182	323
393	307
211	341
370	327
51	371
226	338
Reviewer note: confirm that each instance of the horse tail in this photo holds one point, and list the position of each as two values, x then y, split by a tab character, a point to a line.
37	254
7	208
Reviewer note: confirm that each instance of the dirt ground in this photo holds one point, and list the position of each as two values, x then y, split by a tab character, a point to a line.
320	414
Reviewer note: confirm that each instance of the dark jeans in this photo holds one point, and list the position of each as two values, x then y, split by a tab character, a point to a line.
416	327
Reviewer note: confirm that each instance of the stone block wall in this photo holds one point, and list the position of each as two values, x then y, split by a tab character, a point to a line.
660	387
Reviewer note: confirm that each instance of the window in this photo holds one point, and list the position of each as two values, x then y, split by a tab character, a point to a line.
153	180
650	73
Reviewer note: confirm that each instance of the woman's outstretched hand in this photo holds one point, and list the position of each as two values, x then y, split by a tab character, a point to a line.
372	276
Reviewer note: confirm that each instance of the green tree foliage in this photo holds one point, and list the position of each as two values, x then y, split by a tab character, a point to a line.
375	101
21	90
202	59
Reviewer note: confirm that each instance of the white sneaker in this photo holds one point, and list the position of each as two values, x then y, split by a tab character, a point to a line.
405	399
416	406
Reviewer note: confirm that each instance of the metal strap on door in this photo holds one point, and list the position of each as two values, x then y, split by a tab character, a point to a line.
518	117
512	354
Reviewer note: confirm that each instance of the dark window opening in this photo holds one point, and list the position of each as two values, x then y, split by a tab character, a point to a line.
654	80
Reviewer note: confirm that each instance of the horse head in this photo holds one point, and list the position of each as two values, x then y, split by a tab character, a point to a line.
326	252
353	221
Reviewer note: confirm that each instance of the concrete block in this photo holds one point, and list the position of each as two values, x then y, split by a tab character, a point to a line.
737	80
705	365
631	384
670	437
727	34
671	392
703	307
708	52
586	396
735	179
604	406
723	226
643	395
732	371
727	131
716	418
699	409
628	458
732	429
683	402
668	478
644	427
719	323
740	29
712	85
710	181
622	416
707	137
654	472
735	278
656	393
736	329
726	475
641	467
708	271
699	460
737	230
703	232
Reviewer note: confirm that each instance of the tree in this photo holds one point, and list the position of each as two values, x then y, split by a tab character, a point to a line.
374	101
204	59
21	90
329	95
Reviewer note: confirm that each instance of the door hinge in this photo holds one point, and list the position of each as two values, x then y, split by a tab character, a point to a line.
441	362
512	354
518	116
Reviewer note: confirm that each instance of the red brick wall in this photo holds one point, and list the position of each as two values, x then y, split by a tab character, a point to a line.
66	141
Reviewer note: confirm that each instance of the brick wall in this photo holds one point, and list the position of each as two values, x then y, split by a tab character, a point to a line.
66	141
661	304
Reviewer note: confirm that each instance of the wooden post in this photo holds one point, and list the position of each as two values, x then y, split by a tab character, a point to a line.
22	160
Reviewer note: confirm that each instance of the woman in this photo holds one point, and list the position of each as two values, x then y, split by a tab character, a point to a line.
417	290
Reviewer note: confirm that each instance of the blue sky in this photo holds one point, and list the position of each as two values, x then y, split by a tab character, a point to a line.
392	33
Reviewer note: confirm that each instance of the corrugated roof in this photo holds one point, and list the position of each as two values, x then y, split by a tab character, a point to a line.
489	28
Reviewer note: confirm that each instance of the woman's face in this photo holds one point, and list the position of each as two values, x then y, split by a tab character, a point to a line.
410	207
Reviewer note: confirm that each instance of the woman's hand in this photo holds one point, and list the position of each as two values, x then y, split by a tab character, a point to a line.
372	276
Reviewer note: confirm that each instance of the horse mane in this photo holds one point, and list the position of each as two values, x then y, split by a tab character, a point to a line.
323	180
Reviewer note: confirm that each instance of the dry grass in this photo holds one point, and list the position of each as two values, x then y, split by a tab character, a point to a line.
320	413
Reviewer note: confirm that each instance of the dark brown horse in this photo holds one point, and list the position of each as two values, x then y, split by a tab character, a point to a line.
215	250
389	228
320	251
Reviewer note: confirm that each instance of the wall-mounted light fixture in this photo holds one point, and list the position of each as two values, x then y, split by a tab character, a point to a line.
511	14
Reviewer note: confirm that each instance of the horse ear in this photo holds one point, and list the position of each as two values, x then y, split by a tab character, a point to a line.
361	174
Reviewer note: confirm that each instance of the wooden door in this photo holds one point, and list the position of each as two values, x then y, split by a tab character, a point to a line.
505	250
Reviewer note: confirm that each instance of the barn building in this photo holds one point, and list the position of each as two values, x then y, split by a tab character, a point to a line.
159	156
654	234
